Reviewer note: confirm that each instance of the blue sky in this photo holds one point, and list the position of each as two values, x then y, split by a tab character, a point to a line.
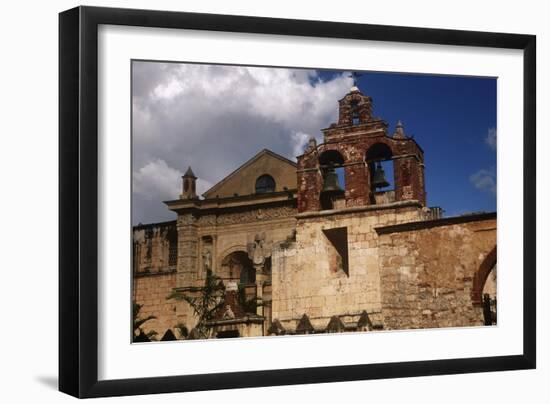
453	119
214	117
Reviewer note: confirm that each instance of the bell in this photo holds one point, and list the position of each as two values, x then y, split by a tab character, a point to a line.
379	177
331	181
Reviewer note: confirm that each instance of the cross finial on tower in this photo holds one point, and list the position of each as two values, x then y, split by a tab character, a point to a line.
355	76
399	131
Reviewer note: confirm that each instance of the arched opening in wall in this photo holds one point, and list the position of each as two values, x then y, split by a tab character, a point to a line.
354	112
265	183
331	164
489	294
379	159
484	289
237	267
172	237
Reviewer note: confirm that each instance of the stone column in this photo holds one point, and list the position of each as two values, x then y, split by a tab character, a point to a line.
187	266
261	277
258	251
187	251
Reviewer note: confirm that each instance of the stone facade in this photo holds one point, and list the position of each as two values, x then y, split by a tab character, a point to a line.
150	291
314	255
427	287
307	278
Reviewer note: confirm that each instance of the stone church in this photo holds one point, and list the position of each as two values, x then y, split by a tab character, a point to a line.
324	244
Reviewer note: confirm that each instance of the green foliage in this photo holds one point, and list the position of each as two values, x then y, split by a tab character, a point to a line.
139	334
204	303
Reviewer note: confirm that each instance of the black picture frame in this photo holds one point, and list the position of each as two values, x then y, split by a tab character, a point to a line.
78	200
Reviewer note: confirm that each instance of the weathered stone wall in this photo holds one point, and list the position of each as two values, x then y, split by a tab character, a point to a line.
206	240
427	271
151	290
306	280
152	247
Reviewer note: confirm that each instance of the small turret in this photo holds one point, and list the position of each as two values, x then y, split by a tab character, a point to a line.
189	185
399	131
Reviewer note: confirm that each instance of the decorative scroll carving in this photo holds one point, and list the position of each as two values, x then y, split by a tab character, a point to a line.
185	220
256	215
207	220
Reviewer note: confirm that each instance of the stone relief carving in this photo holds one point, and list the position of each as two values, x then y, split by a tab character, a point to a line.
184	220
243	217
259	250
228	314
207	220
256	214
207	257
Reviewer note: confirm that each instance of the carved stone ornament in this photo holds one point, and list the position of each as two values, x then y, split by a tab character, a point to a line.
259	250
256	215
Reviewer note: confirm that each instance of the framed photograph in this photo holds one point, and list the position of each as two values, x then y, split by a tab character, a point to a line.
251	201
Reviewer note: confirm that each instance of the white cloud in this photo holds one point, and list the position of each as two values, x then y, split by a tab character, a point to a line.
213	118
299	143
491	138
154	183
484	180
156	179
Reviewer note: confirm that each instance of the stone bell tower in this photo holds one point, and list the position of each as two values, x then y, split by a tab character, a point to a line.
357	145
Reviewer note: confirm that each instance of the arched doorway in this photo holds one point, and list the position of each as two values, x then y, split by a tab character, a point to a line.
484	289
237	267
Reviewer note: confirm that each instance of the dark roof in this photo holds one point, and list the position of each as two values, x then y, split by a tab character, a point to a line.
189	173
140	226
335	325
304	326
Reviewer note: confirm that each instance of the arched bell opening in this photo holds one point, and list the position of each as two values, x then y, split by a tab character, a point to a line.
354	112
379	159
331	164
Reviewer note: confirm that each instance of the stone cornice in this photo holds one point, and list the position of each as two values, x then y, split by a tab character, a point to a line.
356	209
235	203
426	224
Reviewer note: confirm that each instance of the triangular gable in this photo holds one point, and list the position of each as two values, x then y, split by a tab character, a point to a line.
242	181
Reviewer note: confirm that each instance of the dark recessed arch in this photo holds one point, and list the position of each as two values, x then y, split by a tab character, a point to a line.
379	152
481	276
240	267
331	158
334	178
